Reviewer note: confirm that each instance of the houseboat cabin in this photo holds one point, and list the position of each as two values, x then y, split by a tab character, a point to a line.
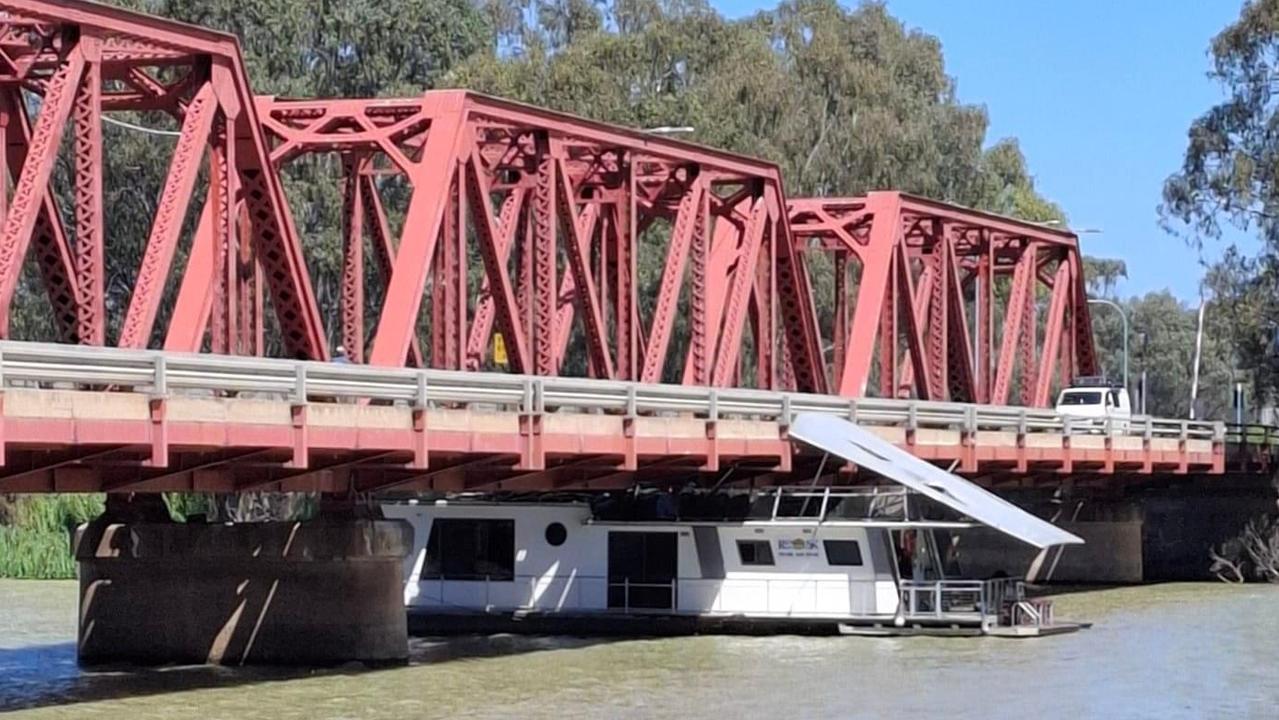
875	559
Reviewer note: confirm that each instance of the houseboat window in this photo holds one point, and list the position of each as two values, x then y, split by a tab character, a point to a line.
556	534
755	552
460	549
843	552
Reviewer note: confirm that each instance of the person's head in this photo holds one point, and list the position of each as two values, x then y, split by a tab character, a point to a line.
341	350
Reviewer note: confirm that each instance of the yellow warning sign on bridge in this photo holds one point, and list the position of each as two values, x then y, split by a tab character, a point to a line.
499	349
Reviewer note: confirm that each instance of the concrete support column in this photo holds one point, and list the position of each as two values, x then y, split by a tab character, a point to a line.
318	592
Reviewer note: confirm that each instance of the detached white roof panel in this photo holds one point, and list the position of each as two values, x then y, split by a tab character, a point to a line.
857	445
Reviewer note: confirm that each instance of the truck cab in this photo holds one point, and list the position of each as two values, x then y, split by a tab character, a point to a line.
1096	399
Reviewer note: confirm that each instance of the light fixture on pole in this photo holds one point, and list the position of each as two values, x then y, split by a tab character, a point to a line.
1077	231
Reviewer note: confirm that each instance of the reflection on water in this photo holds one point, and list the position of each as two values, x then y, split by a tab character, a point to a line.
1170	651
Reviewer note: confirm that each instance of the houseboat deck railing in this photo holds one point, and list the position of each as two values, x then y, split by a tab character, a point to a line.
987	603
819	499
24	364
998	601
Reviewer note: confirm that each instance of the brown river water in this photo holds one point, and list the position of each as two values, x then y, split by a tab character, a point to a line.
1162	651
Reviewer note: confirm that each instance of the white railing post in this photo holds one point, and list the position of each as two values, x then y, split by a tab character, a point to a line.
299	384
421	396
160	379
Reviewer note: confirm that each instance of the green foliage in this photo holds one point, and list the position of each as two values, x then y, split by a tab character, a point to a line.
32	555
184	505
845	101
35	534
35	530
1229	176
54	513
1103	275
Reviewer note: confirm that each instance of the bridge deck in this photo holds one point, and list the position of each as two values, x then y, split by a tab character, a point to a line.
81	419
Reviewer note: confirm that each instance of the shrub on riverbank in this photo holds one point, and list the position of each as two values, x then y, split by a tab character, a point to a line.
35	534
36	530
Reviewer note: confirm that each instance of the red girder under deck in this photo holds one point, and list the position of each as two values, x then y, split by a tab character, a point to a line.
946	304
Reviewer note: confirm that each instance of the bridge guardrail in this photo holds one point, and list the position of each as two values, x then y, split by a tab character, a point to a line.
162	373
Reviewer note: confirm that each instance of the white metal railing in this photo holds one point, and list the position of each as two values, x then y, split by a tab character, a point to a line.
981	600
1036	613
166	374
820	500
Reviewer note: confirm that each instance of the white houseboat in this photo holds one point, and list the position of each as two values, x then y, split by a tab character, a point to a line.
820	560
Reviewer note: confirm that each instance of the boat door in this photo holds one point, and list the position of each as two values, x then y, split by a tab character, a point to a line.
642	567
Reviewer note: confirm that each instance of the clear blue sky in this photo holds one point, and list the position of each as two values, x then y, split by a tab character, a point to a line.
1100	93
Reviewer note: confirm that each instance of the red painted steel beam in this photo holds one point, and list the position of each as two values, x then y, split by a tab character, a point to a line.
580	194
49	238
929	271
171	210
495	236
685	226
1054	329
33	179
742	283
431	179
89	60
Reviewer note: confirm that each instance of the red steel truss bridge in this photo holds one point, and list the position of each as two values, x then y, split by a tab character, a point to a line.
522	247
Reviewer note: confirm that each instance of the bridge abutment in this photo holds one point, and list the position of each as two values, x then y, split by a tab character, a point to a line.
317	592
1146	534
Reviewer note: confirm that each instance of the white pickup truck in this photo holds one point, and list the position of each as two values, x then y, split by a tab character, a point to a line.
1094	401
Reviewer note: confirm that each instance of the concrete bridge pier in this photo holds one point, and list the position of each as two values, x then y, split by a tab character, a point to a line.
320	592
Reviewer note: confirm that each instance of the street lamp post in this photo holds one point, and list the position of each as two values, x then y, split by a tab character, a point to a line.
1077	231
1123	316
1142	381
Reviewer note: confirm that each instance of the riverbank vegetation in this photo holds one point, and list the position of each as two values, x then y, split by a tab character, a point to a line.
36	531
35	534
